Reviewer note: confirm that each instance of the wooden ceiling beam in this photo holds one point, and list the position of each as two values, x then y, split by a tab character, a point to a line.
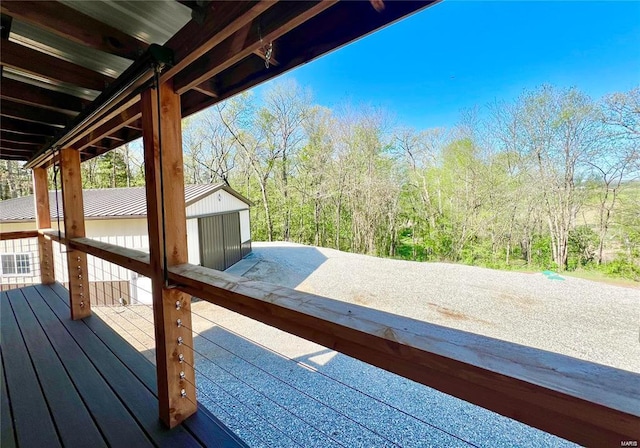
332	29
33	114
136	126
75	26
24	93
41	64
262	54
245	41
221	20
128	116
27	128
207	88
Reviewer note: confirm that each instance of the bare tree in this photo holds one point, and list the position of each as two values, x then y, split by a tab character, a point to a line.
558	138
286	109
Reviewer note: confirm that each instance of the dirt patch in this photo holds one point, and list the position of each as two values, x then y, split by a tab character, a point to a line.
361	299
446	312
524	301
455	315
268	271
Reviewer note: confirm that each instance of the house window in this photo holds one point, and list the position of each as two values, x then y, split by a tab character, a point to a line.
15	264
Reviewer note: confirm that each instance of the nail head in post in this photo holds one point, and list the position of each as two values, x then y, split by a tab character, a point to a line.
182	375
180	340
179	322
181	358
177	305
183	393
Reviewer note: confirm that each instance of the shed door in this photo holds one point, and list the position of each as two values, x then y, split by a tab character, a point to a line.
220	240
232	250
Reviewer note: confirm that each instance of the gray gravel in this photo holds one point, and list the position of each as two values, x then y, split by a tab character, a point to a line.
580	318
277	390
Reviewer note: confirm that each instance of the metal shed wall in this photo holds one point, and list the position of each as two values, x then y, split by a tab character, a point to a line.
218	202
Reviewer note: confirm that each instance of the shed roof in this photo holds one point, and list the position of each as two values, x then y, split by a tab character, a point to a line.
106	202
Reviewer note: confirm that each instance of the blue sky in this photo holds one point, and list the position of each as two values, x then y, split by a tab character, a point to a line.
458	54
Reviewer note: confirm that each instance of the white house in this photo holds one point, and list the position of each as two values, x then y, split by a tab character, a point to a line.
218	236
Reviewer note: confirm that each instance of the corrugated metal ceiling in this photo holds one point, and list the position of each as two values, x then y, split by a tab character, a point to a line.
153	22
57	86
47	42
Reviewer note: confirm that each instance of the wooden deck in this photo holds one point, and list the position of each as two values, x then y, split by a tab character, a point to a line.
78	383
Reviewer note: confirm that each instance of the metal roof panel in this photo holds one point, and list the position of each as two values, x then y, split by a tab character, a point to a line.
153	22
47	42
103	203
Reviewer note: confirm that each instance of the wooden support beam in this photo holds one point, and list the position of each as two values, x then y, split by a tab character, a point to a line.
114	120
76	26
590	404
222	19
43	221
41	64
166	220
24	93
206	88
262	54
247	40
73	207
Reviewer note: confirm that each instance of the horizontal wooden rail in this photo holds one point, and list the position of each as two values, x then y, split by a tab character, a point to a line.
588	403
591	404
18	235
132	259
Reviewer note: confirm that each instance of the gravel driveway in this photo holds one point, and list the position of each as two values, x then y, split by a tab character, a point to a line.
580	318
277	390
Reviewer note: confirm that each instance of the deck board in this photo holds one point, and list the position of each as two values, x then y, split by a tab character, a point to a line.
82	383
28	404
136	397
62	397
113	419
208	429
7	436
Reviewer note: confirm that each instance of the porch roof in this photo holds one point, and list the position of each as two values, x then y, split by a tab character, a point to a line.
72	71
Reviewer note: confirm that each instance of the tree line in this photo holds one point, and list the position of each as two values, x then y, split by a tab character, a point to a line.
548	180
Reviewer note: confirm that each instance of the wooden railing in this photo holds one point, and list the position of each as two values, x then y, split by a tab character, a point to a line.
18	235
587	403
41	264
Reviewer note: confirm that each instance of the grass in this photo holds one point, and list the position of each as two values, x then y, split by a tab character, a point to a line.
598	276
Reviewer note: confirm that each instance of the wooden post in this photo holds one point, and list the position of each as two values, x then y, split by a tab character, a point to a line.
43	221
166	218
73	207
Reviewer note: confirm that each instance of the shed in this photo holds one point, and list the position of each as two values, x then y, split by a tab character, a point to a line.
218	234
